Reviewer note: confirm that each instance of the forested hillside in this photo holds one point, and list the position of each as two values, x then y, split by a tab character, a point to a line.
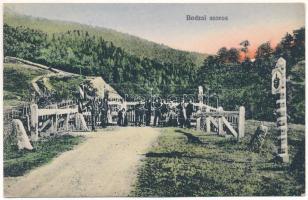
230	80
133	45
79	52
238	82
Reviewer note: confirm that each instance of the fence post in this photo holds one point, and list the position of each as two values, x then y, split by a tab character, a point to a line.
198	124
67	121
28	123
52	123
241	122
56	123
34	122
208	121
220	123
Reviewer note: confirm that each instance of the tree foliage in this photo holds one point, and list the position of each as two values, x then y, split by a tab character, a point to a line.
248	82
79	52
230	81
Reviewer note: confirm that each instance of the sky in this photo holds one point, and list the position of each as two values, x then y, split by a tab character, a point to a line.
167	24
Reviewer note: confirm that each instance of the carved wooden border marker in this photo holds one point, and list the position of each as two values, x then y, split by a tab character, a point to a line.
279	87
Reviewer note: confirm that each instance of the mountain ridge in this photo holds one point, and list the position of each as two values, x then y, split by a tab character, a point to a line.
130	43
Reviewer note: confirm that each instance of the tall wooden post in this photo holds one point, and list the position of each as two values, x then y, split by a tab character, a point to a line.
52	123
208	122
200	99
220	123
67	121
34	122
279	87
198	124
200	96
241	122
56	123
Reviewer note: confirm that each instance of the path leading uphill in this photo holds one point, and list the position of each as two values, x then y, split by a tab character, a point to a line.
104	165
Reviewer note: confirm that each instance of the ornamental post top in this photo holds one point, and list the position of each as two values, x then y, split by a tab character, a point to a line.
281	62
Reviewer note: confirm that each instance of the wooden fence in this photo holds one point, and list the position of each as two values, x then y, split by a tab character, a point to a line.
44	121
62	117
51	120
222	122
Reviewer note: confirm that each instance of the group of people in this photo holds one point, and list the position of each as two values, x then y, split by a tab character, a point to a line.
165	114
99	110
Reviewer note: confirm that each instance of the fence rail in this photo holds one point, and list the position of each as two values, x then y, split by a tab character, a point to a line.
222	122
62	117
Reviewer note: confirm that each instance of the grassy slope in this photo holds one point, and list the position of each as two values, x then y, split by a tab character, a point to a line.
132	44
190	163
16	163
17	82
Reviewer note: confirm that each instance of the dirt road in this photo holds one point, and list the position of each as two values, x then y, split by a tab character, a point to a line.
104	165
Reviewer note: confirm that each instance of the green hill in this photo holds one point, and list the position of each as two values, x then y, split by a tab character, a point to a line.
131	44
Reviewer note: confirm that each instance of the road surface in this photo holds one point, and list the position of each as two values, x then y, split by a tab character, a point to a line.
104	165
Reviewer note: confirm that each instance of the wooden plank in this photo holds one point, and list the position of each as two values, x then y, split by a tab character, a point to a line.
228	125
218	114
208	124
213	121
46	112
45	124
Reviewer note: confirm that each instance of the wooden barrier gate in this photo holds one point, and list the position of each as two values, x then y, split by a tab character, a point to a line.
55	119
222	122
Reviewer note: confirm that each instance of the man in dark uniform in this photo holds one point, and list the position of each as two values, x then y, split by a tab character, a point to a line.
148	110
157	111
120	117
93	113
138	114
164	111
189	111
80	106
104	111
181	114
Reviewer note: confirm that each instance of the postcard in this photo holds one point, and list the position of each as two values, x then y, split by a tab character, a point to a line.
153	99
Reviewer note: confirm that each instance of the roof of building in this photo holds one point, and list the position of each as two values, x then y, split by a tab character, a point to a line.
101	87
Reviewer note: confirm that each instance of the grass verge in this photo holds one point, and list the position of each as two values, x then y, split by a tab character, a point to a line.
17	162
190	163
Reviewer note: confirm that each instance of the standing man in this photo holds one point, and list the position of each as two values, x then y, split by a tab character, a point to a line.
81	108
123	123
93	114
157	111
172	115
189	111
148	110
164	111
182	114
120	117
121	113
138	114
104	111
